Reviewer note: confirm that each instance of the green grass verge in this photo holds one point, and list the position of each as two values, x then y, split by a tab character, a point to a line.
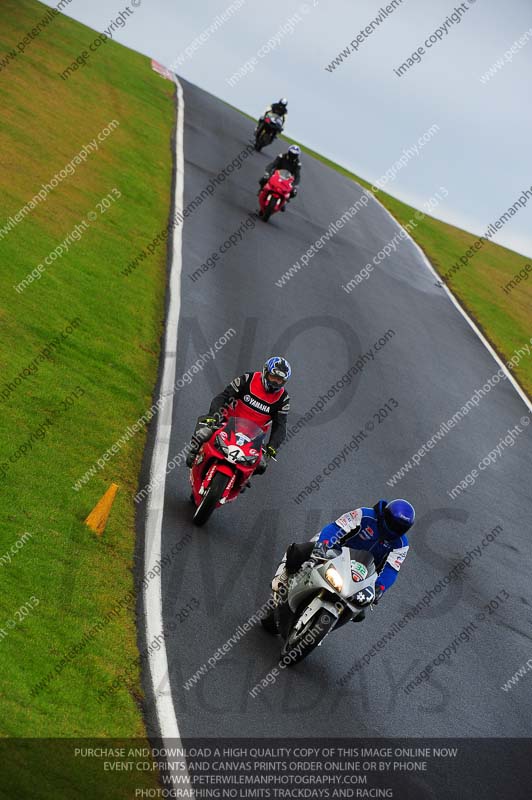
111	354
503	317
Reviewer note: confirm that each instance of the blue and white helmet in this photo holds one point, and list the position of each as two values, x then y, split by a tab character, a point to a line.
294	151
275	373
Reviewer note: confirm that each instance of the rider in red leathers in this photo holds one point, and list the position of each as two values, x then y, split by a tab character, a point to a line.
257	396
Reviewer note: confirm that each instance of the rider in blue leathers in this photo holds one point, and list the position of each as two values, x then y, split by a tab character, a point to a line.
381	530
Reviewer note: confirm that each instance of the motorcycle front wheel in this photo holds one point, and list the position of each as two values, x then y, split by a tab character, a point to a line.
260	141
268	211
296	649
211	498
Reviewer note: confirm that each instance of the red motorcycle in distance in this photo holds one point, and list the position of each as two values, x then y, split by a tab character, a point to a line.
224	464
275	193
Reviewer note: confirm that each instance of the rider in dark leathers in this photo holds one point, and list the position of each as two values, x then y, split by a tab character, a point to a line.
280	108
290	161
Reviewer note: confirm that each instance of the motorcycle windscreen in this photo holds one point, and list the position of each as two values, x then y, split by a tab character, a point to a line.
364	558
244	431
285	174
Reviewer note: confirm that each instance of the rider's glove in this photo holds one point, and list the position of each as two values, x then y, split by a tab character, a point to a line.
211	421
271	452
320	550
379	591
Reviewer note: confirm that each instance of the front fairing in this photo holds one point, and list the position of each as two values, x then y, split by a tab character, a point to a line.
235	449
281	182
358	579
240	441
275	121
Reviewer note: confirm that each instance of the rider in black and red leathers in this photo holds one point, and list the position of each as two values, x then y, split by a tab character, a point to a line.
257	396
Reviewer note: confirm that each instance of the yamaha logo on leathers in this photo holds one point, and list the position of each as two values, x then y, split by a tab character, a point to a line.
256	404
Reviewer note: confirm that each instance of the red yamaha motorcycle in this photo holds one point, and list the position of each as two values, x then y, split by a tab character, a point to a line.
275	193
224	464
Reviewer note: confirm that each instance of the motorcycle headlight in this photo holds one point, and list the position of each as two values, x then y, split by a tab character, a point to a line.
222	446
333	577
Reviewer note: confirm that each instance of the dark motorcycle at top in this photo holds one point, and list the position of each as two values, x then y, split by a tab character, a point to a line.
267	131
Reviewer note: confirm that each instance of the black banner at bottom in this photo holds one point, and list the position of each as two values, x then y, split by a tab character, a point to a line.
241	769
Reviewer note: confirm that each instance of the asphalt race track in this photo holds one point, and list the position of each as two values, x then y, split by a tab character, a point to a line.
430	365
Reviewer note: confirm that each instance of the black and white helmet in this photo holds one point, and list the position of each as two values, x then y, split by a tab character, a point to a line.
294	151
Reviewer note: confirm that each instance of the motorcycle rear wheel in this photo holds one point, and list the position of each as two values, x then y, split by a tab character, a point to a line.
210	499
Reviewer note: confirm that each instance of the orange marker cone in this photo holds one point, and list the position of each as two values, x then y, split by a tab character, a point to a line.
97	519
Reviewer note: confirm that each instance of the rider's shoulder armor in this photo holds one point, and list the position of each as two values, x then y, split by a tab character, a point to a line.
350	521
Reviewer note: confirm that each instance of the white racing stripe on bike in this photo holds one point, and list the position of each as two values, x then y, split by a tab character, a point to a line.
157	659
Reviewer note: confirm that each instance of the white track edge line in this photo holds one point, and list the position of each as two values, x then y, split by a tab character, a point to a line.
158	659
457	305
